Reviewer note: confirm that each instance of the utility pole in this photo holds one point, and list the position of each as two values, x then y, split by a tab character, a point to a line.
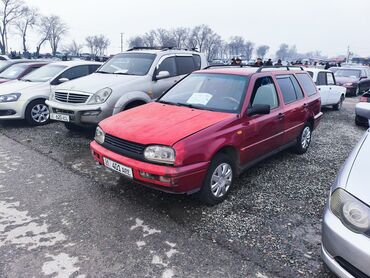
122	42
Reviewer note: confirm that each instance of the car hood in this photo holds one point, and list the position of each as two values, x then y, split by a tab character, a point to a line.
97	81
16	86
162	124
342	80
358	183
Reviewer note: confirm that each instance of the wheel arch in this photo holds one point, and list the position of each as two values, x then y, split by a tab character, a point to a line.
25	106
231	152
129	98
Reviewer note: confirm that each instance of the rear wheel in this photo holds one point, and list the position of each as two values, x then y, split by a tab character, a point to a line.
304	140
339	105
219	180
37	113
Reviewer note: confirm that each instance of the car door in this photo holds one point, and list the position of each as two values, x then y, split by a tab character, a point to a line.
323	87
335	92
262	133
295	106
167	63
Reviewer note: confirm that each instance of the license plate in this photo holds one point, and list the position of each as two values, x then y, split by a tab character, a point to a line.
60	117
122	169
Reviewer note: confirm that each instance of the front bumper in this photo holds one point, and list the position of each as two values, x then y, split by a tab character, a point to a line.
352	91
185	179
363	110
346	253
12	110
82	114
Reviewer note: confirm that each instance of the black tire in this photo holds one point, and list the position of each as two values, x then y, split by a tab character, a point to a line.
133	105
206	195
339	105
34	118
301	147
72	127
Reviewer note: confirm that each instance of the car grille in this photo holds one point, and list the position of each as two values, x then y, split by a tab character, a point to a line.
126	148
71	97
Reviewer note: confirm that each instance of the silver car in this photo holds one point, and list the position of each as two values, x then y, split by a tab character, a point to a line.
346	221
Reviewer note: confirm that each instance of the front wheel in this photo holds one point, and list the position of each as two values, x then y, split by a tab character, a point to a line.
219	180
37	113
304	140
339	105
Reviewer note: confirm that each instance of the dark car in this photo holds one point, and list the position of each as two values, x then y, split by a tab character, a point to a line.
18	70
350	78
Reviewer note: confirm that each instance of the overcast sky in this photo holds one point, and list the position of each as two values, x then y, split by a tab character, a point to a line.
327	25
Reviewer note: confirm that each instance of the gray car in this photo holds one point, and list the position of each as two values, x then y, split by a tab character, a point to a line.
127	80
346	220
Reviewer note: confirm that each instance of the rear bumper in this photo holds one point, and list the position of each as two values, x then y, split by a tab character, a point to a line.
344	251
317	118
82	114
363	110
186	179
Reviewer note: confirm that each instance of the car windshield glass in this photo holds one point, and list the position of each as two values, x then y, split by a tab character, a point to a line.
44	74
348	73
13	71
216	92
129	64
3	65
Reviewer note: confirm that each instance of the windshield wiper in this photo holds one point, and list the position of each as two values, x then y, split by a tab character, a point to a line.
26	80
166	102
193	106
104	72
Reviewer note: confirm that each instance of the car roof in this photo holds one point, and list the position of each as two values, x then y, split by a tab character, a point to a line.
75	63
317	70
163	51
248	71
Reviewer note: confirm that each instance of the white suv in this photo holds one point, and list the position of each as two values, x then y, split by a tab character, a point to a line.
127	80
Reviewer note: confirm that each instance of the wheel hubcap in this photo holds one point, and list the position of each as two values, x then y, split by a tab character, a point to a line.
40	113
306	137
221	180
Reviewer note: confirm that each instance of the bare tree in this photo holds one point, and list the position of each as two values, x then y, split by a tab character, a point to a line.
90	44
73	48
283	52
236	45
136	42
44	29
180	36
10	10
262	51
97	44
26	22
199	36
57	30
248	50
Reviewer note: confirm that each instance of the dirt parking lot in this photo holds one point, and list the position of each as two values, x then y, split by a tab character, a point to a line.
273	215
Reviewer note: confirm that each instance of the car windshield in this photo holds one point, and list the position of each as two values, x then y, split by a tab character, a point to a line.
3	65
13	71
129	64
44	74
215	92
348	73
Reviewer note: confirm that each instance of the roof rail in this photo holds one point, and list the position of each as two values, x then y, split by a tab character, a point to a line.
279	67
226	66
162	48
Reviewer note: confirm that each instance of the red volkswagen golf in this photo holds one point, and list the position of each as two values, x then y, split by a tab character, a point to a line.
210	127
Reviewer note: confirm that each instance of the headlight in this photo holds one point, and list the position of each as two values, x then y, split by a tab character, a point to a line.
160	154
100	96
348	84
10	97
99	135
354	214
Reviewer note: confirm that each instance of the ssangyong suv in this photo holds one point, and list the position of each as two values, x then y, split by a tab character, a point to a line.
211	126
125	81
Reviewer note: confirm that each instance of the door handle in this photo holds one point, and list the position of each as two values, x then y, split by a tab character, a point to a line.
281	116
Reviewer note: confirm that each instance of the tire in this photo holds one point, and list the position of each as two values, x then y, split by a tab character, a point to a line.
304	140
37	113
223	166
72	127
339	105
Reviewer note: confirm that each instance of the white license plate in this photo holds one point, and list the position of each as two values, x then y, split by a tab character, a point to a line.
122	169
59	117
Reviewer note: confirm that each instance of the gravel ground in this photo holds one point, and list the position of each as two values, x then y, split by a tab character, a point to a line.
273	215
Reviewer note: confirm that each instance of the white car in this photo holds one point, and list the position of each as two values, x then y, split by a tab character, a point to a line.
25	98
363	110
331	93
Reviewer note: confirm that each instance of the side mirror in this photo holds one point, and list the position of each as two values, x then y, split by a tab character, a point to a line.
162	75
258	109
63	80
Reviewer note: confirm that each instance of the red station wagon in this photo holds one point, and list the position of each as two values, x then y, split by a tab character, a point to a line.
210	127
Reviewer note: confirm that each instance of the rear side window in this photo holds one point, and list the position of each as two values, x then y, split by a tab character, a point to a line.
185	65
330	78
197	62
168	64
264	92
321	78
290	91
93	68
307	83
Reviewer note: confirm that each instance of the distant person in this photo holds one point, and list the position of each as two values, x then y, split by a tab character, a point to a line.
339	65
236	61
306	64
279	63
258	63
327	66
268	62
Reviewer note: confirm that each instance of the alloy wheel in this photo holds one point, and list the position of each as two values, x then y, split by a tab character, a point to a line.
306	137
40	113
221	180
